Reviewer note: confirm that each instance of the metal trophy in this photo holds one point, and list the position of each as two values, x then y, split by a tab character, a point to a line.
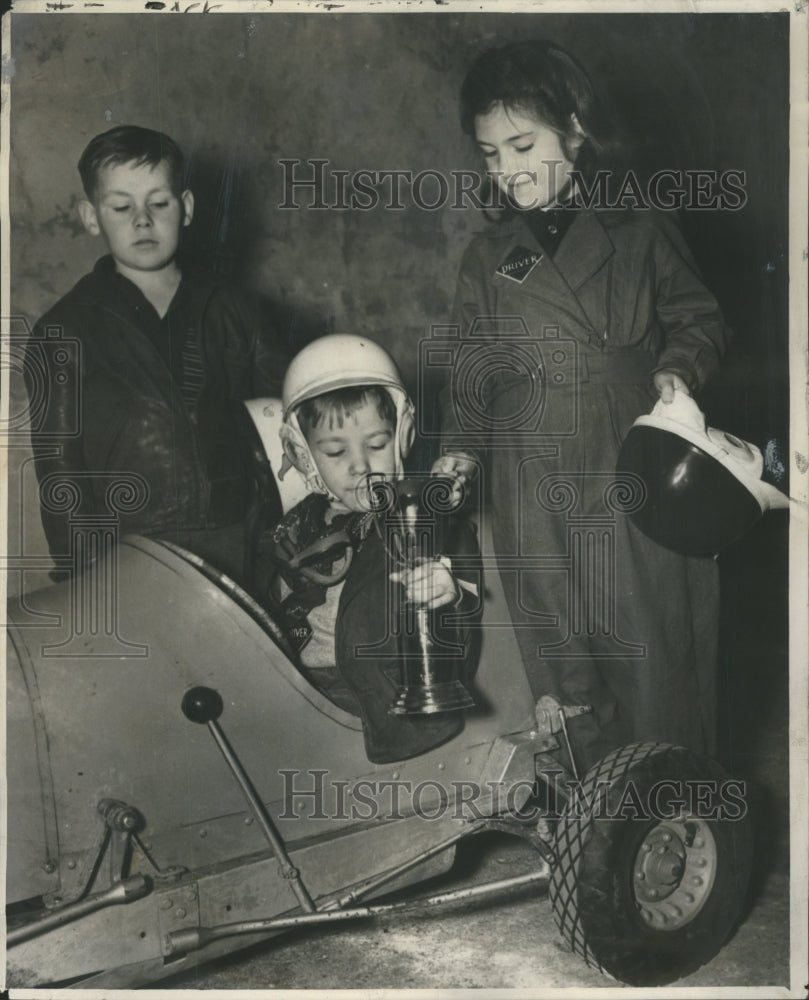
432	653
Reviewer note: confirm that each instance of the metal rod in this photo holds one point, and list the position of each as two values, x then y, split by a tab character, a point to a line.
288	870
192	938
567	743
373	883
121	892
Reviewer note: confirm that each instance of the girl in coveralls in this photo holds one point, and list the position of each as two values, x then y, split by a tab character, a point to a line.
581	317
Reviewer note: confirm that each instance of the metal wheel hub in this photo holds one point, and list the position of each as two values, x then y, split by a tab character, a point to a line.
673	872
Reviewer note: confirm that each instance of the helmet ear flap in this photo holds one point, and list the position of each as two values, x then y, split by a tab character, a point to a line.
298	456
407	429
295	456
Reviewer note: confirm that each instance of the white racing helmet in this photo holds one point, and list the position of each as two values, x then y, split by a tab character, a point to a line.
703	487
339	361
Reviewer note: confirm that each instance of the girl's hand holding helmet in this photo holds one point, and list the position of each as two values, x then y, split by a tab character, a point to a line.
667	383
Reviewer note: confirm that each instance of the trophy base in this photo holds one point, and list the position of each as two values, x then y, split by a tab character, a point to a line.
448	696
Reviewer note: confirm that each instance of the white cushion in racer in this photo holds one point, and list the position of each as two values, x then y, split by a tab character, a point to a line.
267	414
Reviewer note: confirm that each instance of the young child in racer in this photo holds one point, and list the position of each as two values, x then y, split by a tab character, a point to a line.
348	421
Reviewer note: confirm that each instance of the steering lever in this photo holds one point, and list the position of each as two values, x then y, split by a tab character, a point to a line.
203	705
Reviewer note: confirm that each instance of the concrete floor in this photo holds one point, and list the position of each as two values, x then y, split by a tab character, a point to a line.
515	944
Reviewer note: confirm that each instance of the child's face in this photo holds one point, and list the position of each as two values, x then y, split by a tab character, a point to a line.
138	214
346	455
524	156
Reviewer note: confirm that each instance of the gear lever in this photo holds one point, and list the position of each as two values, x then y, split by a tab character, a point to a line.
204	705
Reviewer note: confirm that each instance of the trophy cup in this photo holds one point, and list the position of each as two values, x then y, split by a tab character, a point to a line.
432	653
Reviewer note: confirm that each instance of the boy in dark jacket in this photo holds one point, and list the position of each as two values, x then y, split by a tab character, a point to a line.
348	425
162	360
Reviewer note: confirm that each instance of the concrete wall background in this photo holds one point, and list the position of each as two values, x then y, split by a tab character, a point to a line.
379	91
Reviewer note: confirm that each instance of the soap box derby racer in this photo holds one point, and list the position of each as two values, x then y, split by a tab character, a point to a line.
178	790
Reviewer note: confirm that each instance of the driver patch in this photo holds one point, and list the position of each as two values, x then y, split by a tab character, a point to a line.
519	264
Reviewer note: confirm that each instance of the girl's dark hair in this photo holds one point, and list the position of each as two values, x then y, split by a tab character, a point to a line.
341	403
542	79
130	144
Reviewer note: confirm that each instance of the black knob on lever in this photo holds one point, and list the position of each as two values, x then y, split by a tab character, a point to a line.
202	704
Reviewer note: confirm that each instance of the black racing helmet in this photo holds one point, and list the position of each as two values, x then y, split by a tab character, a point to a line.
702	487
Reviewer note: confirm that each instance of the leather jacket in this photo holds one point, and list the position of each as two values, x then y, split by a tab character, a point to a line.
117	437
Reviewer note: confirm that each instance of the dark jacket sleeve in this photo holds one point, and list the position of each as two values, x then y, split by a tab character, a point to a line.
696	335
270	357
53	373
254	356
270	360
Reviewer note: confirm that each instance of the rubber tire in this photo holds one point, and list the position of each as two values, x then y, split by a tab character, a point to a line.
591	884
